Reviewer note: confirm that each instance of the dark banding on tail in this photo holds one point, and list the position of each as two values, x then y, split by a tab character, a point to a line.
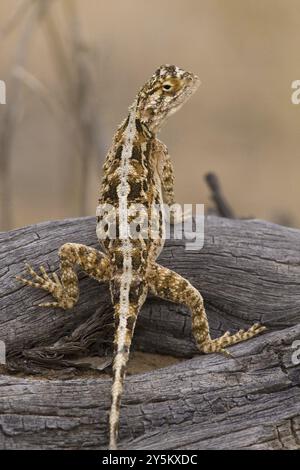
125	325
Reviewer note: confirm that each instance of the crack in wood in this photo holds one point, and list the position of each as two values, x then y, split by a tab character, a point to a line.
209	396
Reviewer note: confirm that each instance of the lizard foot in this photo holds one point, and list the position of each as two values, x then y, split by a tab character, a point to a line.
218	345
44	281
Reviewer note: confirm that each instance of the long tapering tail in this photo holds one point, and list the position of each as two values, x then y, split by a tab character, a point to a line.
125	323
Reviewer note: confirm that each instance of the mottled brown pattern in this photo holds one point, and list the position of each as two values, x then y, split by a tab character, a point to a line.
172	287
138	162
65	290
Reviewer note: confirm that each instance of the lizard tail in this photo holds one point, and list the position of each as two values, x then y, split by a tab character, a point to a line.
124	324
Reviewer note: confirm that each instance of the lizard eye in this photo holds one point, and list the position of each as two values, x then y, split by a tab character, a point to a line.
167	86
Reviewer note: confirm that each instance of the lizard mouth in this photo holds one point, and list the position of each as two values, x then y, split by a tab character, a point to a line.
191	84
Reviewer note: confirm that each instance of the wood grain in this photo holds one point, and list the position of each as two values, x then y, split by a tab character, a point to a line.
248	271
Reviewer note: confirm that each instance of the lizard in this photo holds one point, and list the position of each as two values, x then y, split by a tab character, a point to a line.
137	171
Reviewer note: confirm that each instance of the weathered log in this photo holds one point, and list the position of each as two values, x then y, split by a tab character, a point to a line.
208	402
247	271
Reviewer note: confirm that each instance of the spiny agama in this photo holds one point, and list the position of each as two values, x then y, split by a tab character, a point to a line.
137	172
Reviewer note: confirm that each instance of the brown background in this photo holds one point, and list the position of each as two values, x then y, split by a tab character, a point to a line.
240	124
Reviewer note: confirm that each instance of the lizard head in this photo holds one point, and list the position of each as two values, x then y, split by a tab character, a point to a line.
166	91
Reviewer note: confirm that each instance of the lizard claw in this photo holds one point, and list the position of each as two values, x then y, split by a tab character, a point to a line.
226	353
56	279
44	274
257	328
27	282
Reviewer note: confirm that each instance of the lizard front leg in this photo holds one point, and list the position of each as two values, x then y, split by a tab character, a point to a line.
166	173
167	178
171	286
66	290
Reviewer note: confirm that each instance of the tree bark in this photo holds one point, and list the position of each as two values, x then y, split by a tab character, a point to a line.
247	271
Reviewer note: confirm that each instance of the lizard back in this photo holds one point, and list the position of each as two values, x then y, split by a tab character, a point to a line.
130	224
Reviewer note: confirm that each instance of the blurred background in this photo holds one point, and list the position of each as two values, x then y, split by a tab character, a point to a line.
72	68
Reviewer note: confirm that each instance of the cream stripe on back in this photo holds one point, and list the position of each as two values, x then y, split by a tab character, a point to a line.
123	191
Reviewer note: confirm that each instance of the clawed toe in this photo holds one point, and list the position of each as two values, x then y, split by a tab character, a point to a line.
44	274
257	328
32	272
49	304
27	282
45	282
225	353
56	279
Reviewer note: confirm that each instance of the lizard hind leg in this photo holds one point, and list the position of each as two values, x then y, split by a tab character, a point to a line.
171	286
65	289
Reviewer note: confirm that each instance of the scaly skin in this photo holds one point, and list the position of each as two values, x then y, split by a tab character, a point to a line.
137	171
